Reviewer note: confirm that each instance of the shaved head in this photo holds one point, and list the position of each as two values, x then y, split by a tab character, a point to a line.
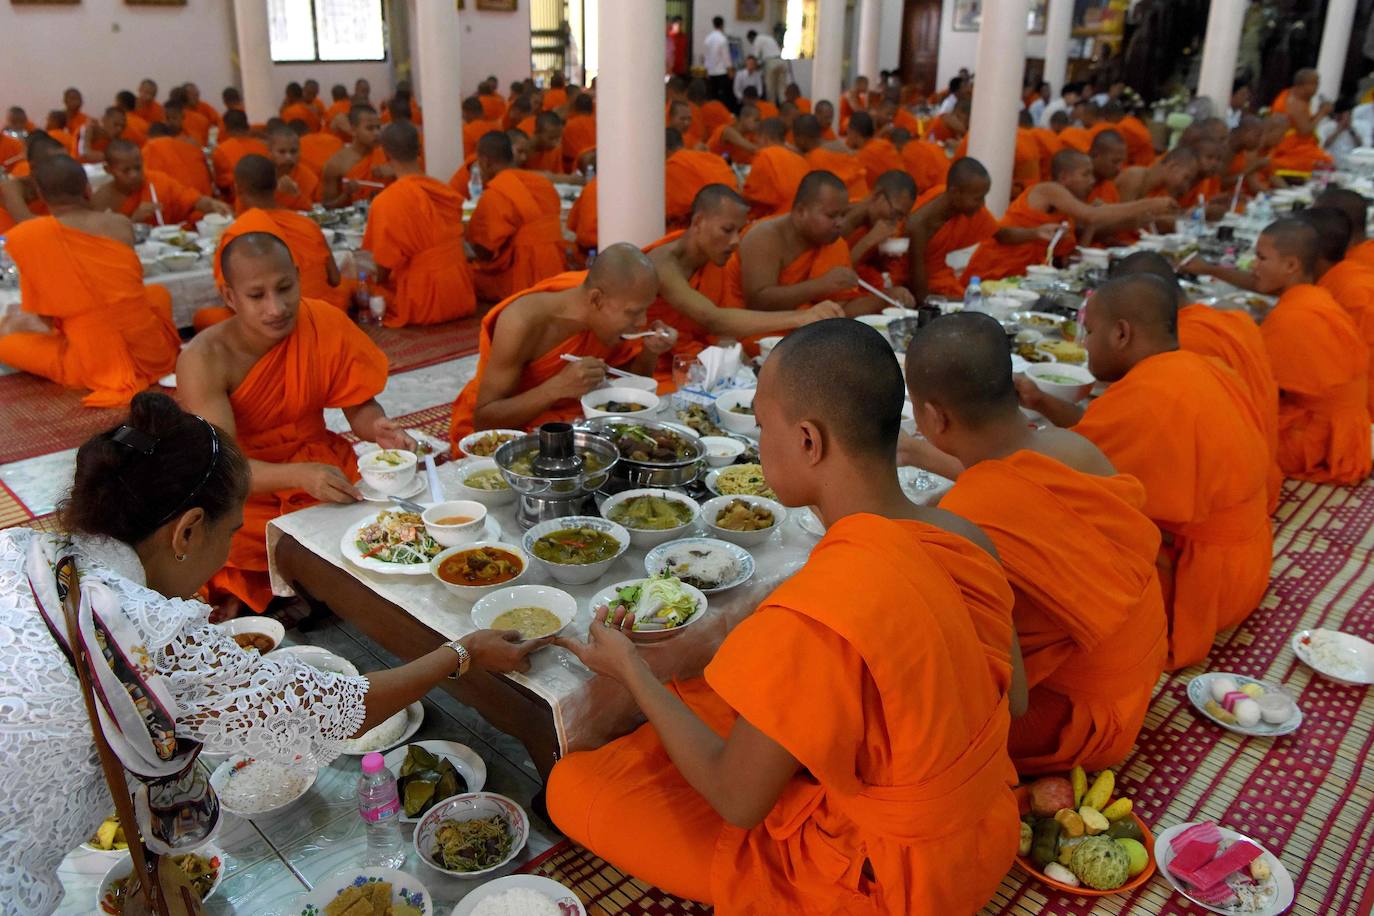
814	185
1333	231
962	362
1295	238
806	129
1148	303
251	246
861	123
773	129
713	197
967	171
1068	160
620	268
254	174
355	114
401	142
1106	141
1148	262
843	376
59	178
495	145
1352	204
897	185
118	149
235	120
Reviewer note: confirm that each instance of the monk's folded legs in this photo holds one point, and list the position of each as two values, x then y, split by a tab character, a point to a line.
37	354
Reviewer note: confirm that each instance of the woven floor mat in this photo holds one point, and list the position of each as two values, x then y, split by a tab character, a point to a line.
603	889
43	417
420	346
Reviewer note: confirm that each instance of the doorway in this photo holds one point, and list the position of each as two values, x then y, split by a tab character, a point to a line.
921	42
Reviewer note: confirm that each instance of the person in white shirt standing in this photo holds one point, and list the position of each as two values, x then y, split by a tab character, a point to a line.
716	59
765	48
1067	99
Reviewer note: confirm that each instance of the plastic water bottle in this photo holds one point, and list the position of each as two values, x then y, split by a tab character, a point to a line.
362	299
1197	221
474	182
973	296
1262	208
380	808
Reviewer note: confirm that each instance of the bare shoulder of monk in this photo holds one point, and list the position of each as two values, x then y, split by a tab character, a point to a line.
529	327
212	363
342	161
1075	451
114	226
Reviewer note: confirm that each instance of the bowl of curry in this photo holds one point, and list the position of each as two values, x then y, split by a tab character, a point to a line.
471	570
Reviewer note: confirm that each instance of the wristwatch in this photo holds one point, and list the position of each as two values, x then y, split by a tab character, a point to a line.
464	658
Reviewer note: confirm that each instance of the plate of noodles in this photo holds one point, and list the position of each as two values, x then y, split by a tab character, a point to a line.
740	480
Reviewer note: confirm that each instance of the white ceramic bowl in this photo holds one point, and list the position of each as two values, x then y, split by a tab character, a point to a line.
607	596
736	422
644	538
712	508
466	443
1037	373
385	477
490	498
257	623
473	592
124	867
576	573
315	657
1002	307
228	770
1042	271
178	260
766	345
1021	295
594	403
1095	257
454	535
894	247
555	600
1356	654
642	382
721	450
471	806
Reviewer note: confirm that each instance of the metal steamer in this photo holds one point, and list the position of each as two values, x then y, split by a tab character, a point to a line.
553	480
632	473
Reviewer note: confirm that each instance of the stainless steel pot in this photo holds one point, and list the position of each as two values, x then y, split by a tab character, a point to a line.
630	474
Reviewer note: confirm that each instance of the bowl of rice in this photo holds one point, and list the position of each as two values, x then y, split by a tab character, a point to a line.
395	730
252	788
472	834
521	895
1340	657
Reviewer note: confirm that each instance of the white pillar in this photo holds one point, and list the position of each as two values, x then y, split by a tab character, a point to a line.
437	40
870	30
1219	49
997	94
829	62
1058	28
1340	19
629	101
255	59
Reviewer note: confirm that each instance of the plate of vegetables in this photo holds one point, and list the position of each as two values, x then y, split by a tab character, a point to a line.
392	541
1076	838
663	605
204	867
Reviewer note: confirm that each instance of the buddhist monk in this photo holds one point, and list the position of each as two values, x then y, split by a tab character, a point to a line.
685	173
1140	145
522	379
1169	176
799	259
298	187
546	151
316	151
173	156
415	234
1300	150
149	196
234	143
855	99
135	126
148	108
876	154
1076	546
358	170
1047	143
793	94
1245	164
56	127
11	151
402	104
86	319
204	108
1320	361
19	192
335	119
1039	213
683	118
880	216
736	141
1356	209
296	108
192	123
694	295
947	218
515	230
475	123
1108	153
848	779
492	103
266	376
927	164
834	157
775	173
1079	136
255	181
579	132
362	92
714	114
1185	426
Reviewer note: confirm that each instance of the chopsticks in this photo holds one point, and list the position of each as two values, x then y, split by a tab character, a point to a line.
569	358
367	184
1054	243
880	294
157	207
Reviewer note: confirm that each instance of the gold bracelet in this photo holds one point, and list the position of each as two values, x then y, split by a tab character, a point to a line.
464	658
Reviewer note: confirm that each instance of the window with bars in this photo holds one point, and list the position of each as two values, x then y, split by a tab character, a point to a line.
326	30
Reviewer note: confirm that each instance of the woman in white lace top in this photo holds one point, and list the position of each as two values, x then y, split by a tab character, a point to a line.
152	520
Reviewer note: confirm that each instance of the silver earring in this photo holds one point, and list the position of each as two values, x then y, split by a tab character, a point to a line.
181	558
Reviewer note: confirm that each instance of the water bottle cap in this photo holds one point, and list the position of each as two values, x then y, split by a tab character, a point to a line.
373	763
976	281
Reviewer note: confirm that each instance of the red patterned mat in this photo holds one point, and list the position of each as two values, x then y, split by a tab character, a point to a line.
417	347
12	508
41	417
605	890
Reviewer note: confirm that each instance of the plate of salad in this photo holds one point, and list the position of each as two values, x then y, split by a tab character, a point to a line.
663	605
392	541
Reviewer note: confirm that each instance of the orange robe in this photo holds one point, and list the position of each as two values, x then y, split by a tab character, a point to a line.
1080	556
844	166
207	111
555	98
545	160
878	157
773	181
135	129
713	115
301	111
994	261
309	250
176	200
685	173
1079	138
517	221
899	722
110	333
722	147
307	189
1351	284
848	106
810	264
583	217
179	159
1026	170
334	111
227	155
875	263
803	105
579	135
415	230
1322	367
1231	336
1140	143
958	232
416	116
493	106
279	417
151	112
316	150
1184	425
362	170
1362	254
1204	190
196	126
66	138
1296	152
11	152
461	180
1048	143
539	370
926	163
712	282
476	130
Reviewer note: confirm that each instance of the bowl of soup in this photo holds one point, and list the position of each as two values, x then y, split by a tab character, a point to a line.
1063	380
535	611
481	480
736	410
471	570
652	516
388	470
619	402
576	550
455	522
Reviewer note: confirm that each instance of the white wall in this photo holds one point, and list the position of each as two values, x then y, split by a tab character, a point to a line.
494	44
960	49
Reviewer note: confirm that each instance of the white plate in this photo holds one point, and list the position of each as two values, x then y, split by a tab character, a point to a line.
548	887
349	548
714	474
810	522
404	888
1200	691
316	657
607	597
1283	898
125	867
373	495
464	760
1361	653
222	774
654	560
415	717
